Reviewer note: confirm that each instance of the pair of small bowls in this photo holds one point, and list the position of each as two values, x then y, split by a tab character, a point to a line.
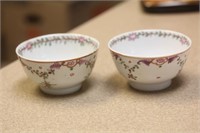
148	59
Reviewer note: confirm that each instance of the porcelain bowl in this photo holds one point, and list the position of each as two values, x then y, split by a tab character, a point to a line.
59	63
150	59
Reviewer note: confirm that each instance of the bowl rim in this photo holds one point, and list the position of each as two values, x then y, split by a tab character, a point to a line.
148	57
59	60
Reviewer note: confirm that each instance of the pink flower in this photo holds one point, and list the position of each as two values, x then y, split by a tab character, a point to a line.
81	61
183	40
81	39
28	46
132	36
71	63
56	65
159	61
72	74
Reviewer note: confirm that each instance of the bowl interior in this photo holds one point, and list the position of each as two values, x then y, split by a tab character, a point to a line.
150	43
56	47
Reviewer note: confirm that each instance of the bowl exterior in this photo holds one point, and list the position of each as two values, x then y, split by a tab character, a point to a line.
58	75
149	70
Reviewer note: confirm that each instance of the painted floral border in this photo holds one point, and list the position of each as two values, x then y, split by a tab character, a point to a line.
154	61
55	66
132	36
57	39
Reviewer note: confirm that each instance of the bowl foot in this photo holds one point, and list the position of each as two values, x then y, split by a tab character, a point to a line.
62	91
150	87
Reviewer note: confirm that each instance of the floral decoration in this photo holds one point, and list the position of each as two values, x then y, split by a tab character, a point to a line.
132	36
158	61
71	64
47	41
132	68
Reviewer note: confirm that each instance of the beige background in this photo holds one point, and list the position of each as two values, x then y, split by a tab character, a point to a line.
106	104
53	17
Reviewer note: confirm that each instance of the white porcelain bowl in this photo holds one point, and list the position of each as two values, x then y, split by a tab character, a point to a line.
58	62
150	59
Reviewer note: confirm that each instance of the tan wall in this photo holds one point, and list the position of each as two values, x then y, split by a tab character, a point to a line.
24	20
